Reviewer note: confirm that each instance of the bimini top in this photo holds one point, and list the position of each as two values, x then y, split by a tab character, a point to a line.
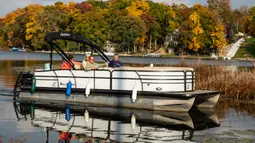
67	36
50	37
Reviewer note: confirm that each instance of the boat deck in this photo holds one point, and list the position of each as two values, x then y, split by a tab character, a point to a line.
159	69
155	68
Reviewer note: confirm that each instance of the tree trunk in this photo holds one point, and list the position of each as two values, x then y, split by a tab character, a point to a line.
135	48
143	49
150	41
155	44
166	41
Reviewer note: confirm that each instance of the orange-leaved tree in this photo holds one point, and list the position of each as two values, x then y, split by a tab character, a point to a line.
197	30
218	37
138	8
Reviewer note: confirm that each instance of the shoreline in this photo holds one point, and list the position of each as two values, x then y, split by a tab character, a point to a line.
140	56
128	59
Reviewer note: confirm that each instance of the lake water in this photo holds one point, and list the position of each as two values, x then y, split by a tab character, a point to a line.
7	55
229	121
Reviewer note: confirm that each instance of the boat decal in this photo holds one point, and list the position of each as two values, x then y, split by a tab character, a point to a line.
64	34
55	84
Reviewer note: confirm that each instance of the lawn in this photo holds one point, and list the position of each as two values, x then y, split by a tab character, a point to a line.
247	49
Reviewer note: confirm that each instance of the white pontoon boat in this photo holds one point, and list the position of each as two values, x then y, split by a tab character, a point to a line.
154	88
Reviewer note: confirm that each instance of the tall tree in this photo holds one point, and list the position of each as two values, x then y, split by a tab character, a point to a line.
33	26
250	24
138	8
119	4
93	26
201	30
2	35
10	18
125	30
98	4
13	26
130	23
241	15
41	21
224	13
218	39
197	30
153	28
84	7
70	11
165	17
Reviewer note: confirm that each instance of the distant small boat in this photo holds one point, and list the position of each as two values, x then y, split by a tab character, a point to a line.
23	49
109	53
156	55
15	49
18	49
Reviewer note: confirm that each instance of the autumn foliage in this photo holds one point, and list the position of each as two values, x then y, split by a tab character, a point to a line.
133	25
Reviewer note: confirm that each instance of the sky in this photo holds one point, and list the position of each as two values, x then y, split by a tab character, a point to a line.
7	6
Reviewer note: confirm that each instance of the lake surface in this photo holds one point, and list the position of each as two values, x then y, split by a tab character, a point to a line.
9	55
229	122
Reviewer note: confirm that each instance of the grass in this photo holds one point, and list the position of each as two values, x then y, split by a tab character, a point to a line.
247	49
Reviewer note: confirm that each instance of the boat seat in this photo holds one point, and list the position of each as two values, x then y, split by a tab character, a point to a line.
78	67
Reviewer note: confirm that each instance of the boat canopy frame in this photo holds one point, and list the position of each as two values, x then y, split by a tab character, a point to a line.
50	37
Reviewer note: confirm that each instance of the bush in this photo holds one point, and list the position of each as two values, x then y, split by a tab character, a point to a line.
118	49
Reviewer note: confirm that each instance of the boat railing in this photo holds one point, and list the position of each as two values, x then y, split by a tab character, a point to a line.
188	77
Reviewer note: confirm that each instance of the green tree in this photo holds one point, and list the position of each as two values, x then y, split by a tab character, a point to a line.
153	29
133	24
166	18
201	31
250	24
2	38
119	4
44	20
224	13
98	4
13	28
125	30
241	15
93	26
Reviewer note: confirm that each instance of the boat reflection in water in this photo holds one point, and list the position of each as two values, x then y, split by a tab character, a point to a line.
101	124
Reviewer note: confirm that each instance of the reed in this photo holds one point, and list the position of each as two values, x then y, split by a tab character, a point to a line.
235	84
